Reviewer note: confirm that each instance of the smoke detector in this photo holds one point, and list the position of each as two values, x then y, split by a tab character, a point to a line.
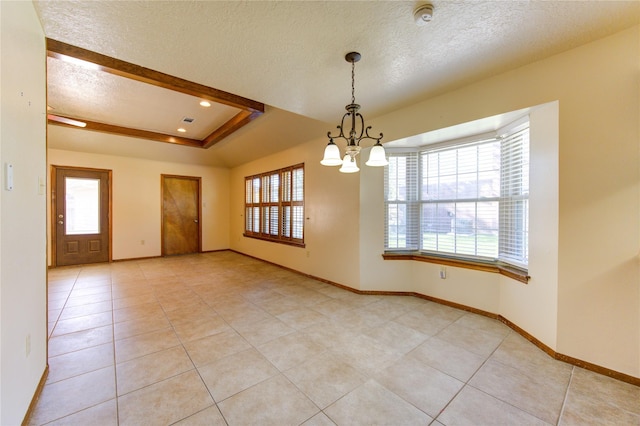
423	14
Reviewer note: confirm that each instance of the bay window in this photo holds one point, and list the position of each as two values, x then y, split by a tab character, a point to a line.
462	200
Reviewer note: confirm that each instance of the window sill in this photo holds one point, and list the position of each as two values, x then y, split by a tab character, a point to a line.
275	240
498	268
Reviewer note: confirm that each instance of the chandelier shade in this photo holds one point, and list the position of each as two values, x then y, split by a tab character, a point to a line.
357	133
349	165
377	156
331	155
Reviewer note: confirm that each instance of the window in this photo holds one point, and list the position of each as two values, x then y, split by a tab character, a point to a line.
463	200
82	206
274	205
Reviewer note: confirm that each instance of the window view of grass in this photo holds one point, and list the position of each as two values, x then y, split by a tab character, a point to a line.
484	245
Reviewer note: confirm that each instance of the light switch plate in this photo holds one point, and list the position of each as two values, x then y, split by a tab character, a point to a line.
8	176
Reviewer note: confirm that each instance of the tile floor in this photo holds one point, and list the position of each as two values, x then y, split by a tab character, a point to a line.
220	338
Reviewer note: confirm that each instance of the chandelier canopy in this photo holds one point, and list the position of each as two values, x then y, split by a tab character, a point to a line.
358	132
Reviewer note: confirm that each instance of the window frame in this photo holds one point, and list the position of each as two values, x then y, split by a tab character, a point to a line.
414	249
267	197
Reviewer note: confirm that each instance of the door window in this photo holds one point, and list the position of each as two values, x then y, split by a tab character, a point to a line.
82	206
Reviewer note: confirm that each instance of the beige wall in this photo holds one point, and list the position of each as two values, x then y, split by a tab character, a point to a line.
331	218
23	309
137	200
583	299
599	205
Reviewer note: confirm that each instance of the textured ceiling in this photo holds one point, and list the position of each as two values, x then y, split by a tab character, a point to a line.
290	55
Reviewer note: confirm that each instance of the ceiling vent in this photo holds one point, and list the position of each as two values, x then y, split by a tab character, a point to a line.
188	120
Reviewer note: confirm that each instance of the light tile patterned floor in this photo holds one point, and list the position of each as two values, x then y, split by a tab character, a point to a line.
221	338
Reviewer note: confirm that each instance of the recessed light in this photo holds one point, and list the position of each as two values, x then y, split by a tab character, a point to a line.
80	62
182	130
205	104
66	120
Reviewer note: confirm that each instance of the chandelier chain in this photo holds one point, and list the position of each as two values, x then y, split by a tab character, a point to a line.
353	82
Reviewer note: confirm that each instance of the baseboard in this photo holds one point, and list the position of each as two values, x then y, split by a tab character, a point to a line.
135	258
36	396
556	355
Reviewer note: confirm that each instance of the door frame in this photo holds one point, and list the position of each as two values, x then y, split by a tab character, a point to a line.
54	205
195	178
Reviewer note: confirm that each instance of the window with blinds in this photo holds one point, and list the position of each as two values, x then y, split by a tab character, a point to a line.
466	200
274	205
401	206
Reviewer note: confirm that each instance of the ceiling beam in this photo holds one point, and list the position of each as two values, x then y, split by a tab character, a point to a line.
239	120
60	50
128	131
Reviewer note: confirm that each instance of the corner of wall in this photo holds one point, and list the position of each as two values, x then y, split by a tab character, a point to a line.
23	312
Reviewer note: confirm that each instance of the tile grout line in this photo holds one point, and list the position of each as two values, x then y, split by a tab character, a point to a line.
215	404
113	343
466	383
566	395
50	335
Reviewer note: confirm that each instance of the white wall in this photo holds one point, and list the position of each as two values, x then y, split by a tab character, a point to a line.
137	200
23	306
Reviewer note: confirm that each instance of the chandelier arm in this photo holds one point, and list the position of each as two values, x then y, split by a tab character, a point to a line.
339	127
353	133
367	136
361	127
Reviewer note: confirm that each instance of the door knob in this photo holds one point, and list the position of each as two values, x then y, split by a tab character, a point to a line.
195	220
60	216
60	222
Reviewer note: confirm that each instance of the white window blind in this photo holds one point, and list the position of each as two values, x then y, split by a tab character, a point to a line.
466	200
460	188
514	198
401	207
274	205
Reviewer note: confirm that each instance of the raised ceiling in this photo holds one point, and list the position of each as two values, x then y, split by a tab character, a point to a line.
290	56
100	93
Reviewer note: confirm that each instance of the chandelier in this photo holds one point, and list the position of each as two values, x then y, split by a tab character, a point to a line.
357	133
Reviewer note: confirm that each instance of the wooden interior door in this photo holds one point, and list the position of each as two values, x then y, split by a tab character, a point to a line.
180	215
81	205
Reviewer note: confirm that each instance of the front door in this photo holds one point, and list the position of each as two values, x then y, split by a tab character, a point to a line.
81	205
180	215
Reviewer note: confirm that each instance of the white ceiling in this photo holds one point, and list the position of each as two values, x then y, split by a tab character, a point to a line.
290	56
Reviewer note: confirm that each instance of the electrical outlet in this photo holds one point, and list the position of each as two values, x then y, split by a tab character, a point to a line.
443	273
